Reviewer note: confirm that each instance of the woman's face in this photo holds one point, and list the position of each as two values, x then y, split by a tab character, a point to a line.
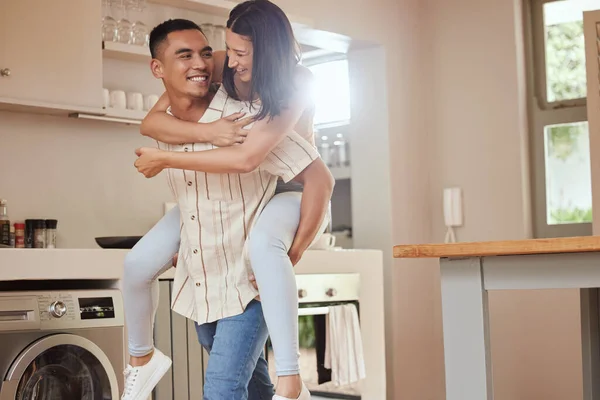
239	51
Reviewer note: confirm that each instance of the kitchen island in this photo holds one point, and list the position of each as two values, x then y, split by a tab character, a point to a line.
470	270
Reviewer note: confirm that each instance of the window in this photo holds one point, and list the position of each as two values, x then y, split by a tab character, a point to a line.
331	92
568	175
562	200
564	50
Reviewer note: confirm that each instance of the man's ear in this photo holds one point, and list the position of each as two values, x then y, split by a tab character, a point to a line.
157	68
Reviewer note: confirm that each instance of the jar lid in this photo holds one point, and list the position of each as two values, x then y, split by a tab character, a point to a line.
19	225
51	223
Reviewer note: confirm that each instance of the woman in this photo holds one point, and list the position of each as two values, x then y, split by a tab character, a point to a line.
262	68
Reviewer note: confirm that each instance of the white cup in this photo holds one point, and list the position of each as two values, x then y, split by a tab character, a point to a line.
118	99
105	98
135	101
149	101
326	241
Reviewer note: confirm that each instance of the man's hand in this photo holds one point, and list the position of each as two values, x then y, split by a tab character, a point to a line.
295	254
229	130
252	279
149	162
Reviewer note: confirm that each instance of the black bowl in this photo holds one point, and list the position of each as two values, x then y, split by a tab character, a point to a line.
117	242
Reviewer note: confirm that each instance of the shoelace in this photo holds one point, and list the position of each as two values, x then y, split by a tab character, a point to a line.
130	377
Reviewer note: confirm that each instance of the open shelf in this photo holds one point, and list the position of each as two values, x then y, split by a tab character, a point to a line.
37	107
132	117
126	52
220	8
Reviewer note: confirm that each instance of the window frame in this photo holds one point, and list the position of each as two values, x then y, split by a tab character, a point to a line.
543	113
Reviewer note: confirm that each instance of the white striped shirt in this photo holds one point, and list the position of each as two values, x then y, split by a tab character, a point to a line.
217	213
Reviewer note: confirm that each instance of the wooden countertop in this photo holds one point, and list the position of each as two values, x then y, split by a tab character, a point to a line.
500	248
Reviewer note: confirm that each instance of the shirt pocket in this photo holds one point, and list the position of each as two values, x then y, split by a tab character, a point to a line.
221	187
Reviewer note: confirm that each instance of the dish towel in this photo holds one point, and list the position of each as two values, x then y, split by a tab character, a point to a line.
343	345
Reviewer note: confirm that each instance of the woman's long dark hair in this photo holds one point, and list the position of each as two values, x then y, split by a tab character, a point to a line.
275	57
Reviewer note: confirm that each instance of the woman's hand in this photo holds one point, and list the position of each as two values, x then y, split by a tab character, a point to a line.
150	161
229	130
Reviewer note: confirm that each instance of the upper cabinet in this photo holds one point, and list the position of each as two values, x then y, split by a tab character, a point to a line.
53	60
50	53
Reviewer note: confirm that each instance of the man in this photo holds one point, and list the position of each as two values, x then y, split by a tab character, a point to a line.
211	285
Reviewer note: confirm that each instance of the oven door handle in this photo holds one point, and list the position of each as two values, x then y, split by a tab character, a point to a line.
313	311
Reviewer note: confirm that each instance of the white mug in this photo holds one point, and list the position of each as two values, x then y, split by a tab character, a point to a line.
326	241
135	101
118	99
149	101
105	98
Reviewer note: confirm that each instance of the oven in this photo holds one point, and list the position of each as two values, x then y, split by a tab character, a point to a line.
316	293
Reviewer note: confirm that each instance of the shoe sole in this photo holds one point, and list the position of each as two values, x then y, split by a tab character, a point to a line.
153	381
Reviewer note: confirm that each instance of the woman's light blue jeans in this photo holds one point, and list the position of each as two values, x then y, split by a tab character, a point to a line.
270	240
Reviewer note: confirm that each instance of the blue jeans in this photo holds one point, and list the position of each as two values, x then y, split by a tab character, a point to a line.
237	369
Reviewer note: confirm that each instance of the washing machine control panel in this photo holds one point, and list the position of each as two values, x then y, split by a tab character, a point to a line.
57	305
57	310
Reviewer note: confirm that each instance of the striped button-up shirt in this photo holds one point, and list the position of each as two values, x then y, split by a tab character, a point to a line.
217	214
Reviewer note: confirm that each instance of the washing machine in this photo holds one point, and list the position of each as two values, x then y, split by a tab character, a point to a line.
61	345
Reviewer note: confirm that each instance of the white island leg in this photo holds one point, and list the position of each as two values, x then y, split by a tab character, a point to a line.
466	330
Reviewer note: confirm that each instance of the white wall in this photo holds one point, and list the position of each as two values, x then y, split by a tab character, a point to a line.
79	172
479	137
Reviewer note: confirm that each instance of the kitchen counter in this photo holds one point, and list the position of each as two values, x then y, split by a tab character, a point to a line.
49	264
104	264
81	264
498	248
469	270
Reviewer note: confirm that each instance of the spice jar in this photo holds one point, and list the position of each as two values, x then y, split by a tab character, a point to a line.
12	237
29	231
19	235
39	234
51	233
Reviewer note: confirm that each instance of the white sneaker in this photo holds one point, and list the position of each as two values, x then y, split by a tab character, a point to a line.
304	395
140	381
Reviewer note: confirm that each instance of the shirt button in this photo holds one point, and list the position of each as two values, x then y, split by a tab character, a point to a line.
189	183
198	283
195	251
193	217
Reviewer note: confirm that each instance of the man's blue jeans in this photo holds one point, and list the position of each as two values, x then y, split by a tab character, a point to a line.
237	369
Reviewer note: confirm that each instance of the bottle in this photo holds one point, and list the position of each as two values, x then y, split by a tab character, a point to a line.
342	150
19	235
29	231
12	236
39	234
4	224
51	233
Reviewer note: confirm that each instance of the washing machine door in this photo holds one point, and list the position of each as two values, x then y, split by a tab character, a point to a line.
61	367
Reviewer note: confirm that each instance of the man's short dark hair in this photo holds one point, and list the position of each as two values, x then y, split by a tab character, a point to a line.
161	31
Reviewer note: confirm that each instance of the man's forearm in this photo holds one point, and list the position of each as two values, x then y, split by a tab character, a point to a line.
168	129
